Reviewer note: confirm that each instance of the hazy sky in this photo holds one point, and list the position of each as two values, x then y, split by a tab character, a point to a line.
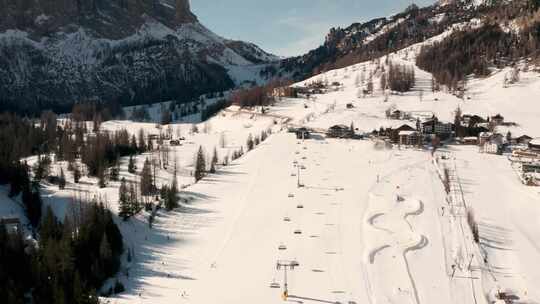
289	27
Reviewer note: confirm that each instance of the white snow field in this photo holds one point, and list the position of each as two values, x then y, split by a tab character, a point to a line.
223	246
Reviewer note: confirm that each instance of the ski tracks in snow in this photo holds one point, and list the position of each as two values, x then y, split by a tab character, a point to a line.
390	236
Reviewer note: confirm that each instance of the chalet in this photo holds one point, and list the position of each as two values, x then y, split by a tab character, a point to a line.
350	106
397	114
534	144
303	133
12	224
484	137
523	139
471	140
339	131
469	120
435	127
409	138
394	133
491	148
497	120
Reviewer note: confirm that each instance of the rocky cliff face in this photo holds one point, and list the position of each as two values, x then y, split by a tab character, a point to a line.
54	53
107	18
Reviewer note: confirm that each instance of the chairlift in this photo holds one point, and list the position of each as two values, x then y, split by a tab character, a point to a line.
300	206
287	219
298	231
282	247
275	285
291	195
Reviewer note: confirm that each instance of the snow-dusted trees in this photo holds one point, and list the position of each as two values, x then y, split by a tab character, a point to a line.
147	184
131	165
200	165
473	225
124	202
400	77
141	141
62	180
76	174
214	161
250	143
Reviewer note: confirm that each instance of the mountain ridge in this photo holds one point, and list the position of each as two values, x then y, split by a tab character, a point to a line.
156	52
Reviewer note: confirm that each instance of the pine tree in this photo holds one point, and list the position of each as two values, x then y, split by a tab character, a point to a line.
147	184
76	174
131	165
133	144
142	145
250	143
171	195
62	180
457	123
124	202
200	165
102	178
150	145
133	199
214	161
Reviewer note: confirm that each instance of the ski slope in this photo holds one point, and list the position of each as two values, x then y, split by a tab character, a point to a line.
224	246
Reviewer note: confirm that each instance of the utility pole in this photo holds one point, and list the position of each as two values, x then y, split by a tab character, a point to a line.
284	264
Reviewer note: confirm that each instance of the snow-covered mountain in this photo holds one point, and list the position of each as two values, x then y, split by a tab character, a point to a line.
55	53
375	38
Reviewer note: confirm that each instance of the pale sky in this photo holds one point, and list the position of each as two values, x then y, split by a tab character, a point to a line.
289	27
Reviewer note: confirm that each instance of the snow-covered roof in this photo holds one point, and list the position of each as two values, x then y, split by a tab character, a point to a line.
407	133
535	142
485	134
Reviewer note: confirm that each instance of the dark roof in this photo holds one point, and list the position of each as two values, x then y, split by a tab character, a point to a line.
405	127
524	137
339	127
498	116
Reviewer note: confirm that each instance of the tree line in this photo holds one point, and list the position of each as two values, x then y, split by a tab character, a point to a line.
473	51
70	263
